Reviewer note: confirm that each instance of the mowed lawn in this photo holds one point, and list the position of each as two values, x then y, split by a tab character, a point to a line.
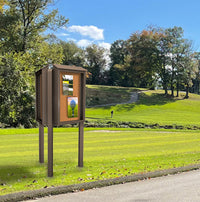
152	108
108	153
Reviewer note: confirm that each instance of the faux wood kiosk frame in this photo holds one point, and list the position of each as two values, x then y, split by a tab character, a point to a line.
60	99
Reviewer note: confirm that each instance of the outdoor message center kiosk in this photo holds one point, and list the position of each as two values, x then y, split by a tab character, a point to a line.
60	99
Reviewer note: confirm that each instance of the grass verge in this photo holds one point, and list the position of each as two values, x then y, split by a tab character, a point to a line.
107	154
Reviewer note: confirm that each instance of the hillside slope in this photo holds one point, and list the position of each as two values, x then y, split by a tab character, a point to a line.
104	95
152	108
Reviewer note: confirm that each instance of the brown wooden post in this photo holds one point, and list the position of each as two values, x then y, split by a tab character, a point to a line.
41	143
80	144
50	125
81	124
50	151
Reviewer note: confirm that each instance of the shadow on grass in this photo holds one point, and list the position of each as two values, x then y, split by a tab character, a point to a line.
125	107
149	100
92	118
10	174
109	107
155	99
106	95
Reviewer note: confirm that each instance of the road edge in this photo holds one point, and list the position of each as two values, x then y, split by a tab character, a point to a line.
27	195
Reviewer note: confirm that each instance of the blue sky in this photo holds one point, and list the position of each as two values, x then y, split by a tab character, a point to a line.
105	21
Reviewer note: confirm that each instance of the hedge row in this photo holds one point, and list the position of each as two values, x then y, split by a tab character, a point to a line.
124	124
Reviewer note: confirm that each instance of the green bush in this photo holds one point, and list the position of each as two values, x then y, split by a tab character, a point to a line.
123	124
17	102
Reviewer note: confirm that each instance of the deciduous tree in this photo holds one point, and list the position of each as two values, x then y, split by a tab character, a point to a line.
95	62
118	54
23	51
73	55
23	21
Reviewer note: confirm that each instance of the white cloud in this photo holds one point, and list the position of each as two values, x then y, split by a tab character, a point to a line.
92	31
62	34
71	39
84	43
105	45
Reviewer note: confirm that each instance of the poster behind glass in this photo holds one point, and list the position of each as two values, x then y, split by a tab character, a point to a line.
67	84
72	107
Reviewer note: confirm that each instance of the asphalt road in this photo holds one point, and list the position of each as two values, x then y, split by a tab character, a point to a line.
180	187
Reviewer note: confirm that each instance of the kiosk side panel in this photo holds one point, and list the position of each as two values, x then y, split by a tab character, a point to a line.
44	97
56	97
38	84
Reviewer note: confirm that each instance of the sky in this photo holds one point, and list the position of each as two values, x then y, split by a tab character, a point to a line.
104	21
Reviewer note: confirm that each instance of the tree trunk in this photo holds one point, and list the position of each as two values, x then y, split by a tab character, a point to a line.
177	88
166	91
165	88
187	91
165	81
172	80
172	89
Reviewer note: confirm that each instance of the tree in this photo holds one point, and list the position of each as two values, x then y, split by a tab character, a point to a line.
24	51
196	80
2	3
95	62
141	49
118	53
182	58
17	83
23	21
151	55
73	55
175	38
161	57
15	100
190	69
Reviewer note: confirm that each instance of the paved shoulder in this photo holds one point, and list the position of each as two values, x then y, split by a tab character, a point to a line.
184	187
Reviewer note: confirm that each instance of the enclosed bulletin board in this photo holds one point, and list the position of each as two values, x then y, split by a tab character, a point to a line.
68	94
60	99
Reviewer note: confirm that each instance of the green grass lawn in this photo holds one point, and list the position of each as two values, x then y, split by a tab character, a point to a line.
108	153
152	108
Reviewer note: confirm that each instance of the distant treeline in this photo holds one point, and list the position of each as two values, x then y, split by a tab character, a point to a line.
152	58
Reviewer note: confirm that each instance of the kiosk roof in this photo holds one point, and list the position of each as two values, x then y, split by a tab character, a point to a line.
69	67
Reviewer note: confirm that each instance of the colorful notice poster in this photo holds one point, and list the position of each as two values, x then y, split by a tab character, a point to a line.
67	85
72	107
